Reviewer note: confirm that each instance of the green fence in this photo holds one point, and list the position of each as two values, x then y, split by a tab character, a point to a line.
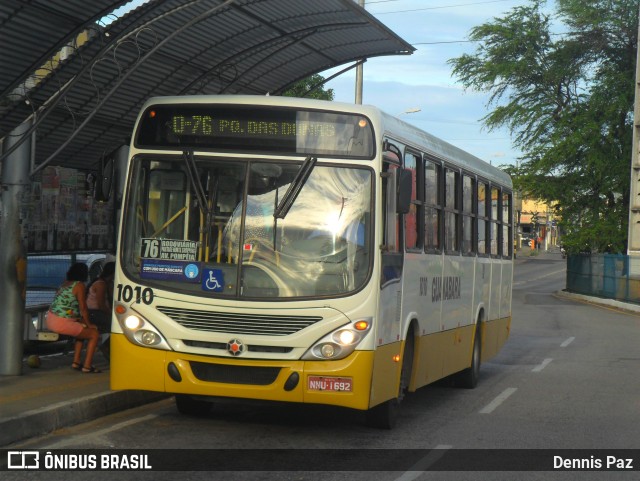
603	275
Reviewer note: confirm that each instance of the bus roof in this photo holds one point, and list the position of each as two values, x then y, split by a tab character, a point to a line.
430	144
391	126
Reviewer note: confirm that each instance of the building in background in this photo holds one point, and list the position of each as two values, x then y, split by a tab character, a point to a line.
537	222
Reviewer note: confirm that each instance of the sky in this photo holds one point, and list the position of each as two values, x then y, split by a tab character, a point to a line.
424	81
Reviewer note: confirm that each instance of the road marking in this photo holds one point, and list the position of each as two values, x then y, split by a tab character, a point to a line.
542	365
502	397
519	283
567	342
77	440
425	463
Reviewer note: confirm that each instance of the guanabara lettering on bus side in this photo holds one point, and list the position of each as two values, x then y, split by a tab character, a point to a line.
442	288
137	294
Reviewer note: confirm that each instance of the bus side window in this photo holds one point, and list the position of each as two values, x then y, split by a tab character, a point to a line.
414	218
452	210
483	217
495	221
468	214
507	226
433	206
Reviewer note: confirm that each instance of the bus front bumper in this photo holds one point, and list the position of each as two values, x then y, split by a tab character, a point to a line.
346	382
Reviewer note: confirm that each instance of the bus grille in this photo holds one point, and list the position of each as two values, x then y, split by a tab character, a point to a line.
268	325
222	346
257	376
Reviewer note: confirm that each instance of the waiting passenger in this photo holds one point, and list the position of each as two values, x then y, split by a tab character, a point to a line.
100	297
100	302
68	315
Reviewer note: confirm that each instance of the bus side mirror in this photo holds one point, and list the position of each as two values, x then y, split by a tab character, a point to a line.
104	182
405	188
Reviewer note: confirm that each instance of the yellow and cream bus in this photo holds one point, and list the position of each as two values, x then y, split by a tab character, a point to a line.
305	251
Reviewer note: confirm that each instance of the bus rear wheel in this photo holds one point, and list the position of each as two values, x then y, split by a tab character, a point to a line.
468	378
191	406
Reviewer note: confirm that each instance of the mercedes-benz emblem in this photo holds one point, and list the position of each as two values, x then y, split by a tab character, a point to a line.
235	347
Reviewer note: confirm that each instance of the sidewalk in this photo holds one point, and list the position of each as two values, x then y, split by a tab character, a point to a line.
525	255
55	396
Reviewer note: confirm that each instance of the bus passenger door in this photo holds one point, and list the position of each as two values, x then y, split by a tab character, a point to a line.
392	262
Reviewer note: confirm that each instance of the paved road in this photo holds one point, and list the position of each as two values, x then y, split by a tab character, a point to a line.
567	379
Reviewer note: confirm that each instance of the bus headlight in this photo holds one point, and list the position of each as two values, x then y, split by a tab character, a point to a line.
148	338
339	343
132	322
139	330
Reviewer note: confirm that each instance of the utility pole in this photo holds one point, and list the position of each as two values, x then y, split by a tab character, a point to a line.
359	73
633	241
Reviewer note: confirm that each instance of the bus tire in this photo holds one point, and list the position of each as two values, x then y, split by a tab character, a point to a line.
385	415
468	378
190	406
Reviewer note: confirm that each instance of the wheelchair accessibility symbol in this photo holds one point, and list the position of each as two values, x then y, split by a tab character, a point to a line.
212	280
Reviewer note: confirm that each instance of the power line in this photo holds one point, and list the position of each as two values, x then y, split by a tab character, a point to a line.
451	41
472	41
433	8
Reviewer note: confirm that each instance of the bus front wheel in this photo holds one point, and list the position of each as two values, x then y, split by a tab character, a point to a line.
191	406
385	415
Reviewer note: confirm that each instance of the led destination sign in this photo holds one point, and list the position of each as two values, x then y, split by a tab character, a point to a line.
256	128
206	125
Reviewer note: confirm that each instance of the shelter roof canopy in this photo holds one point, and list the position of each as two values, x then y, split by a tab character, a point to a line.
87	99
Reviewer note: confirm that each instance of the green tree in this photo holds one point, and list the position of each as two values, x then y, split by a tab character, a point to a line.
301	87
565	90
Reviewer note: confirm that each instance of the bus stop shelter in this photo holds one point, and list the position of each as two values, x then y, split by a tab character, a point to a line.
75	74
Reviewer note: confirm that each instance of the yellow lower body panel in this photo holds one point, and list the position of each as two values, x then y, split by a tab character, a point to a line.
386	375
135	367
495	334
442	354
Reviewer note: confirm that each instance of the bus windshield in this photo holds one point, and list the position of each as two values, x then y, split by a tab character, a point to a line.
235	246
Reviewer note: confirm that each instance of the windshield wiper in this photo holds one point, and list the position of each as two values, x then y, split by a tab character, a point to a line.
192	173
295	187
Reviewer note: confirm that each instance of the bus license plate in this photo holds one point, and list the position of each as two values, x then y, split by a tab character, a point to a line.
319	383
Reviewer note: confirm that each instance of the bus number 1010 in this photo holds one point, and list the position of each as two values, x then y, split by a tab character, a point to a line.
127	293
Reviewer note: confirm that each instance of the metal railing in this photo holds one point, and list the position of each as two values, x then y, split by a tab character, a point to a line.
604	275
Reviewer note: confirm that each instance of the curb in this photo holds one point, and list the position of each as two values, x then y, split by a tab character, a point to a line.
68	413
601	302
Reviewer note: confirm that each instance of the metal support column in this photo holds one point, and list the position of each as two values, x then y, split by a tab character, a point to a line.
633	241
121	160
359	73
13	254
